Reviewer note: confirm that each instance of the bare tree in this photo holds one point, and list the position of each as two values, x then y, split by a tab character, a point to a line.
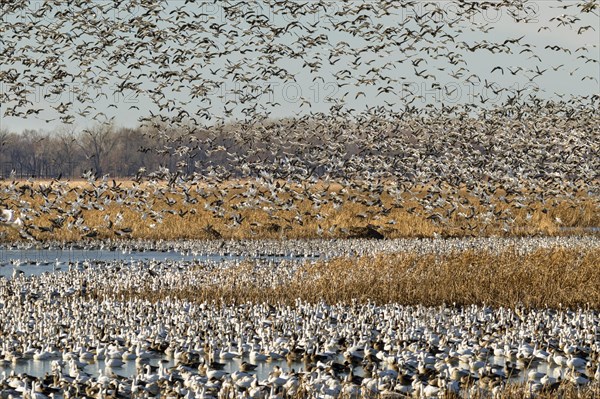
96	143
32	155
4	135
5	146
67	149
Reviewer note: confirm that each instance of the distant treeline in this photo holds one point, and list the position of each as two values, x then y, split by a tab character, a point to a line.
70	153
234	149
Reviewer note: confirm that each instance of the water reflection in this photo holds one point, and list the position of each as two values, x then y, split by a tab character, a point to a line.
131	368
40	368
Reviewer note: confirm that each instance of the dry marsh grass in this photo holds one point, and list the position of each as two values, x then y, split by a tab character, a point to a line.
523	391
249	210
555	278
510	391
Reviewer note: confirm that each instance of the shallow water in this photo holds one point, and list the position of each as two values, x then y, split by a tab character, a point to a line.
39	368
33	262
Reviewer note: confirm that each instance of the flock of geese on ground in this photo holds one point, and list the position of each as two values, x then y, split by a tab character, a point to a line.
77	317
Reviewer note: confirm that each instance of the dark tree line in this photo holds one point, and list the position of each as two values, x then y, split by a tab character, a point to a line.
69	153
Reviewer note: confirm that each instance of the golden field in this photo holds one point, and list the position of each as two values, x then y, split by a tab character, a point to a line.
555	278
241	209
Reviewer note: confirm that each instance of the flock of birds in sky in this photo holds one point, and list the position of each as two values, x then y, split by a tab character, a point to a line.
440	108
181	62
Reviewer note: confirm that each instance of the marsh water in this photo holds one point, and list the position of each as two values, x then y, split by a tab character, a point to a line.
33	262
40	368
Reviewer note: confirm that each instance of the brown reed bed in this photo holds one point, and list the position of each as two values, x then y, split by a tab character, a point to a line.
510	391
229	210
564	391
555	278
523	391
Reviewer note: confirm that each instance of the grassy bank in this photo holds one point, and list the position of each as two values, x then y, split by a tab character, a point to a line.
250	210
